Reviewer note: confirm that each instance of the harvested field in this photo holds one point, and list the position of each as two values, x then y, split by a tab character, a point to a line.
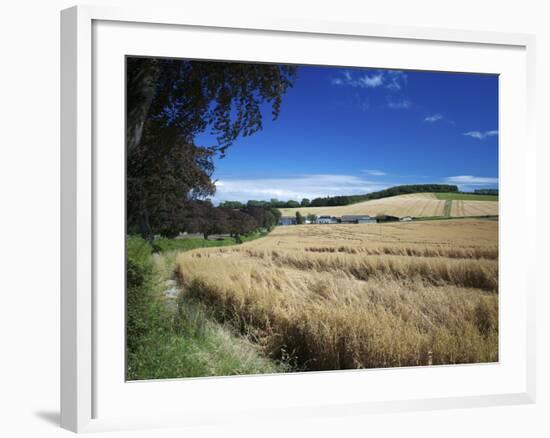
416	204
474	208
331	297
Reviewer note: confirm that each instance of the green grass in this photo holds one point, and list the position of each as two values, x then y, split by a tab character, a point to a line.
182	339
254	236
443	218
447	208
164	244
465	197
196	346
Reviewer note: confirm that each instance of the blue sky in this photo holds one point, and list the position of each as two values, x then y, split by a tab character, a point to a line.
351	131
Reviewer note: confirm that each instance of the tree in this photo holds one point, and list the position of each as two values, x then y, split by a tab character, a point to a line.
194	95
214	221
312	218
232	204
292	204
305	202
299	218
169	102
240	223
276	216
160	184
265	217
275	203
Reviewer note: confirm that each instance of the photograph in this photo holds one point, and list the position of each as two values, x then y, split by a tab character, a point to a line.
288	218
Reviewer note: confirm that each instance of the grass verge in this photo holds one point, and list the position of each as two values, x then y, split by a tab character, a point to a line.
185	342
164	244
447	208
465	197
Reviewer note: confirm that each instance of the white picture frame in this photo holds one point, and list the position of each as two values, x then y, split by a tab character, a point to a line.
85	375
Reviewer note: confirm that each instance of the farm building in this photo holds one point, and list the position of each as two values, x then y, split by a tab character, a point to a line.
287	220
405	219
326	220
386	218
358	219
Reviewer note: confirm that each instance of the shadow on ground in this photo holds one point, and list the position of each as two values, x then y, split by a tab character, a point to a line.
51	417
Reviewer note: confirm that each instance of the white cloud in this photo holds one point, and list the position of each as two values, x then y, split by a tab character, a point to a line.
470	180
391	79
297	187
434	118
371	81
481	135
396	80
374	172
399	104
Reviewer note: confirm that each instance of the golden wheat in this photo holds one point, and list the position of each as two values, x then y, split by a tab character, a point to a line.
474	208
337	297
415	204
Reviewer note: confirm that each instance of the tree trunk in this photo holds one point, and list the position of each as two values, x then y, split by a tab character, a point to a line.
142	79
145	227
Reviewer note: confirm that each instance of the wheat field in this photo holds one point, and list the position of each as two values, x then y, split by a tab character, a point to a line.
328	297
415	204
474	208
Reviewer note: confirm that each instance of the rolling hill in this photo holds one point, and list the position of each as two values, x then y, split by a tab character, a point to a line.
415	204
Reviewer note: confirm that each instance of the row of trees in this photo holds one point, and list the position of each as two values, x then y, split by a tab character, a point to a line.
486	192
202	217
273	203
345	199
386	193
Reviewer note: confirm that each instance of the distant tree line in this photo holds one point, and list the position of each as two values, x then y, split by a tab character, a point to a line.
330	201
273	203
486	192
202	217
386	193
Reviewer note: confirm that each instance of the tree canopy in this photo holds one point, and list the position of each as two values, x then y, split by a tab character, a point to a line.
170	102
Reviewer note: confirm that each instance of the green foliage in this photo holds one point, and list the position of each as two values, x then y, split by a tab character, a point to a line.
292	204
299	218
142	309
234	205
461	196
486	191
186	244
312	218
169	103
188	343
197	346
253	236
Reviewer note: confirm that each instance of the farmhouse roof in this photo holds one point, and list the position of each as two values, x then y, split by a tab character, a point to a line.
356	216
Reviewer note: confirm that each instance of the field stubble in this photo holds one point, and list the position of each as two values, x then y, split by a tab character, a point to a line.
358	296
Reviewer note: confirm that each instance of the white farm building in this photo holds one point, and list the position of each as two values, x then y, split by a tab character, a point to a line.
358	219
326	220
